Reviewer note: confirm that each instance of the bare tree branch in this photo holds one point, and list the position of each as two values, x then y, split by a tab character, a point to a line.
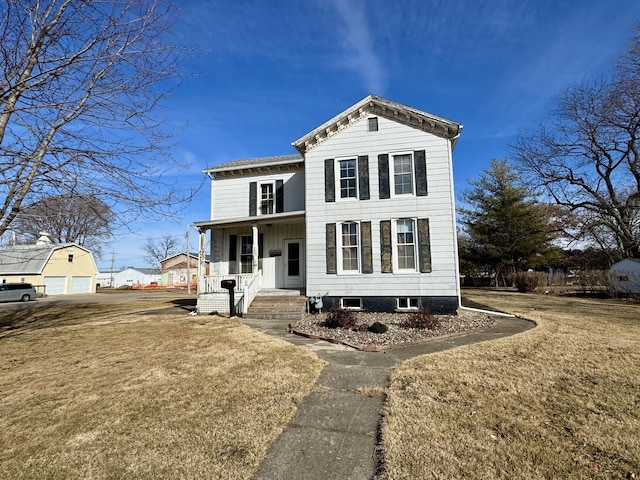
80	89
586	156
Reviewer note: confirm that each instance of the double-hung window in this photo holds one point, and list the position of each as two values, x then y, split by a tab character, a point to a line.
349	241
405	245
246	254
267	198
347	177
402	166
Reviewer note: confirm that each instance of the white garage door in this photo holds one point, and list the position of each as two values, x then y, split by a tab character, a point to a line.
80	284
55	285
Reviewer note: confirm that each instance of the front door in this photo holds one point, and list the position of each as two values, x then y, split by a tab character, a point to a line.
293	263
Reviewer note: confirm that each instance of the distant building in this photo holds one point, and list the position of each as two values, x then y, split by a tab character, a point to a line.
174	270
130	276
624	276
55	269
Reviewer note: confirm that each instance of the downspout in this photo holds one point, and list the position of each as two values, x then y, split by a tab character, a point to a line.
455	240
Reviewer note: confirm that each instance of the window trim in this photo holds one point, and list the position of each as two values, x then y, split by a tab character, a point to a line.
408	306
339	197
340	246
250	254
346	307
394	247
392	177
259	198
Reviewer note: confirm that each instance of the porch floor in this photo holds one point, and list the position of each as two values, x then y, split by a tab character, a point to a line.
274	292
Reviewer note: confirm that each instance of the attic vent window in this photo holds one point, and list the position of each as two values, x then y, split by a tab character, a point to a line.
70	258
373	124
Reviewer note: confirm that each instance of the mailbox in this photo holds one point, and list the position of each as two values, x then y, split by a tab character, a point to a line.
228	284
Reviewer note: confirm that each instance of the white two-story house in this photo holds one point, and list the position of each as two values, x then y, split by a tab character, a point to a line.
363	215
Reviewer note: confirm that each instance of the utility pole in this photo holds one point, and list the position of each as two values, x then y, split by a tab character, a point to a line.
188	263
113	259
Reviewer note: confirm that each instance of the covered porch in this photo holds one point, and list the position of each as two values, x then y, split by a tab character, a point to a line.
259	253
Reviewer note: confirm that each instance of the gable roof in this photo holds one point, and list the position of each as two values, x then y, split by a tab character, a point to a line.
191	254
29	259
382	107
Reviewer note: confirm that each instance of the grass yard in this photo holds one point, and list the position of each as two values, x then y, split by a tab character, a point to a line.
559	401
139	389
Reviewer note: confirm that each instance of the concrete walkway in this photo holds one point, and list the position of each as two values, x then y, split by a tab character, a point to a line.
333	434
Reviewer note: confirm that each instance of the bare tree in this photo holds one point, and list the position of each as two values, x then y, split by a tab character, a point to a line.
586	157
81	82
82	219
159	249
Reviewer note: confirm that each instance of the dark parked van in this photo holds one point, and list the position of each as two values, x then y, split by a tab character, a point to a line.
15	292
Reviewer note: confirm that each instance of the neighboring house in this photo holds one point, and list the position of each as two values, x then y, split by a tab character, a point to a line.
624	276
175	273
363	215
56	269
105	279
136	277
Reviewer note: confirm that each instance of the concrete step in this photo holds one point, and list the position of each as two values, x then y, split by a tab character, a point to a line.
284	307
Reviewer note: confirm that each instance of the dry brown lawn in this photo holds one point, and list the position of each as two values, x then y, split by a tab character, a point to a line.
561	401
141	390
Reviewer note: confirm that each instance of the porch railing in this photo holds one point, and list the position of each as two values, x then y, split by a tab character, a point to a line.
247	287
211	283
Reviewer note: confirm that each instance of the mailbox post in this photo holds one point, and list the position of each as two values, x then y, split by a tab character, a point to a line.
230	284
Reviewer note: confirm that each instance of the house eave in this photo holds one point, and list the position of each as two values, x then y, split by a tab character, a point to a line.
382	107
258	167
276	218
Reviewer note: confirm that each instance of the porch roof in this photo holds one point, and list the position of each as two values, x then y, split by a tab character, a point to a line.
285	217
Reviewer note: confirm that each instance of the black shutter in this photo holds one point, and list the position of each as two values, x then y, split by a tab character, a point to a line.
329	181
385	246
233	263
424	245
279	196
363	176
383	176
253	199
420	166
331	248
367	252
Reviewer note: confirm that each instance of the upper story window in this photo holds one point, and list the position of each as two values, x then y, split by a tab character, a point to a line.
267	198
373	124
70	258
402	174
348	178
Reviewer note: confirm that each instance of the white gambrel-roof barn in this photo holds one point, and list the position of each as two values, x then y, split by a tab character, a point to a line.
624	276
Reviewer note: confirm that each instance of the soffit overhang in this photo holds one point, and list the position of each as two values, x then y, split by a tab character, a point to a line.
257	166
260	220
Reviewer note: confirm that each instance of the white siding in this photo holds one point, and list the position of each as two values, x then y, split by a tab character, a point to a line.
272	264
230	196
437	206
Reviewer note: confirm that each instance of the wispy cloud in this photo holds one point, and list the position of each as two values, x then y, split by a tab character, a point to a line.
359	52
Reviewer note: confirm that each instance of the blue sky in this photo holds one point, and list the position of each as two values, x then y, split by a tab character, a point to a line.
267	72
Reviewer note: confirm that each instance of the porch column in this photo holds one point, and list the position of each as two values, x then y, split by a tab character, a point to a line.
201	259
254	250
